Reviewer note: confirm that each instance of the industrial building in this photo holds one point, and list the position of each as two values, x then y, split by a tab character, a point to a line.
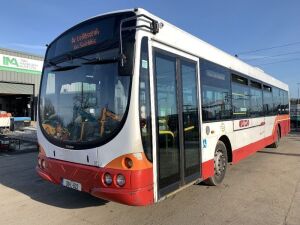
20	75
295	114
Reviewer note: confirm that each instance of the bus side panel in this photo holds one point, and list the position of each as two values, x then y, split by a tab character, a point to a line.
249	136
253	144
261	133
284	125
211	133
249	149
269	130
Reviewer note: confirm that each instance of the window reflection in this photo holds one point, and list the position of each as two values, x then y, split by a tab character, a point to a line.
240	100
216	97
256	100
190	117
84	104
167	120
144	100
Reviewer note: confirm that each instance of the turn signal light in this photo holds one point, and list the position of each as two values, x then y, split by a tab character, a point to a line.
128	162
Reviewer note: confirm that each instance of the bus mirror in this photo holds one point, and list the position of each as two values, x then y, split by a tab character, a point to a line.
125	68
125	65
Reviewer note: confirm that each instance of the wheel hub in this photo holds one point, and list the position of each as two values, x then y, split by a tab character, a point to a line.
220	163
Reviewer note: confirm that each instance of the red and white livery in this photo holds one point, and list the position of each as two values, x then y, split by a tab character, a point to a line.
132	109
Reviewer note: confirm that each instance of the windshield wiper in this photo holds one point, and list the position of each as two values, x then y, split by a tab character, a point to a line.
67	56
64	68
96	61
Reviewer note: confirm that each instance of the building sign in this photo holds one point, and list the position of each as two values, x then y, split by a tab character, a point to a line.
21	65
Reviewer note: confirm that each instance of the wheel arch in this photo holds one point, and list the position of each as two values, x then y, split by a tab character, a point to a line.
227	143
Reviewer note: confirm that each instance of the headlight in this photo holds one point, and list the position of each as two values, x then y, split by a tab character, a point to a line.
107	179
39	162
43	164
121	180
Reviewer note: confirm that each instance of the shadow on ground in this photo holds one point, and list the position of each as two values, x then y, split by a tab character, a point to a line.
17	171
280	153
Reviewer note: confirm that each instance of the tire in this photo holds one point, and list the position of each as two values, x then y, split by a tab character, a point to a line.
220	165
276	143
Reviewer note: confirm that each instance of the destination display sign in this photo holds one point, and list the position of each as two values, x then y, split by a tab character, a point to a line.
85	39
84	36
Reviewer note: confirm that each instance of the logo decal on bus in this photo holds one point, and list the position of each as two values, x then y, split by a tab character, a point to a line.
244	123
204	143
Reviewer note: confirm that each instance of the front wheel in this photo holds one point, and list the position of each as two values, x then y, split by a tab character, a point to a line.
220	165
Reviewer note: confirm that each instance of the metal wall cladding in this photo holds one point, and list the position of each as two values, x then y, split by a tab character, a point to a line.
19	77
11	88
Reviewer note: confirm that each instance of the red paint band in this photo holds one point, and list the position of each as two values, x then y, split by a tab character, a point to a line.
138	189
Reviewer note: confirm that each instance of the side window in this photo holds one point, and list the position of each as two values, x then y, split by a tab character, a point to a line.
144	100
256	99
284	106
268	101
215	83
286	102
276	100
240	97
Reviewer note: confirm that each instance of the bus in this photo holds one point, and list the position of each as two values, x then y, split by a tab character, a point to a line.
133	109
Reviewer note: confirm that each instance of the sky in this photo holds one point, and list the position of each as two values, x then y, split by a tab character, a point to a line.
235	26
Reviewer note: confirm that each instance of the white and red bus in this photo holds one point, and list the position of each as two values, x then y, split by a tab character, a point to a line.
132	109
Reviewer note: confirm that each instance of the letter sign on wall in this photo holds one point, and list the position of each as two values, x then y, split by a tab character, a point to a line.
22	65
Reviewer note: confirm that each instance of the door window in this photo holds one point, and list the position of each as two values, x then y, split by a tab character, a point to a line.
167	119
190	117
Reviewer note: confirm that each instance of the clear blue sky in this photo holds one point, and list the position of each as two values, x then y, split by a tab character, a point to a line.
233	25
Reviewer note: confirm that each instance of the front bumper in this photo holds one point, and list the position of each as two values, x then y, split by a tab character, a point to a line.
137	191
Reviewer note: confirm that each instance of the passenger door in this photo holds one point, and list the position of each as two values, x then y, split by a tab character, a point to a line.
177	119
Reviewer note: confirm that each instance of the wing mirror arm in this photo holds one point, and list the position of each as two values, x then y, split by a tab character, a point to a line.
153	27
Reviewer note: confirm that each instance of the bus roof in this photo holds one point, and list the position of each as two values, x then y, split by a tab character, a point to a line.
189	43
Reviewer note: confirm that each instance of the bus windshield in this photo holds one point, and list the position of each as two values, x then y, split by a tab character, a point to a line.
84	94
82	102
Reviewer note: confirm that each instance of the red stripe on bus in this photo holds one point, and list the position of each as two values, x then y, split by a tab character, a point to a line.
250	149
207	169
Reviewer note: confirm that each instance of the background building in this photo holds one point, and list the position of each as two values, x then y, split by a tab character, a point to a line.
20	75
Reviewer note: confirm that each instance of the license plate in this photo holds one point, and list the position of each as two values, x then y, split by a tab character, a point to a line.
71	184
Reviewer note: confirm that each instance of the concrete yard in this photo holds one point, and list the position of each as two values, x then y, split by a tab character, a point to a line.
262	189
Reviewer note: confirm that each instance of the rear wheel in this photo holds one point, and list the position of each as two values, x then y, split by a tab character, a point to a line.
220	165
277	140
